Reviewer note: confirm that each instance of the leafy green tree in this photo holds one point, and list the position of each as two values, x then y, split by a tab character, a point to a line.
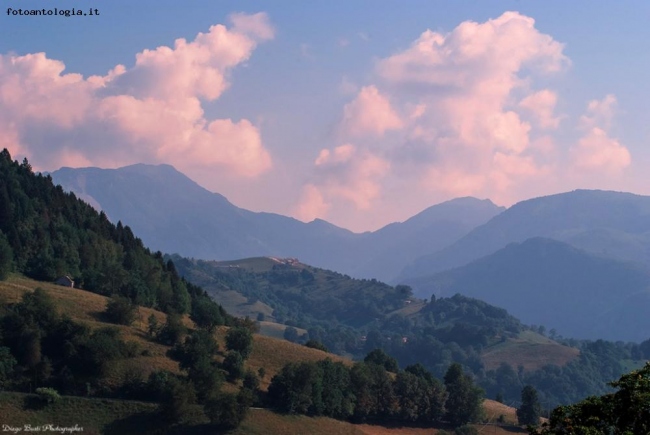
240	339
624	412
121	310
233	363
198	346
228	410
294	389
291	334
464	403
314	344
530	410
373	389
172	331
421	397
251	381
206	313
381	358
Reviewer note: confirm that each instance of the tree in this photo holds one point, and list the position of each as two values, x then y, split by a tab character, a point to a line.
6	257
624	412
233	363
314	344
240	339
530	409
178	401
206	313
381	358
227	411
121	310
291	334
173	330
464	403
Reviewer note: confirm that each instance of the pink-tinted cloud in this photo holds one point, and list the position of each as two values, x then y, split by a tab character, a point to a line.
484	57
344	174
370	113
541	105
596	151
311	204
469	123
151	112
599	112
467	133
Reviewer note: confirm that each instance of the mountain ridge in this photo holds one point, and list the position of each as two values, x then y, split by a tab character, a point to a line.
614	224
174	214
547	282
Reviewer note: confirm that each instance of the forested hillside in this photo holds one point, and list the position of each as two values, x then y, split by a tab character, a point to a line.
46	233
59	339
501	352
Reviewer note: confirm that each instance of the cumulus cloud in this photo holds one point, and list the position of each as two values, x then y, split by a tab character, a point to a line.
463	118
464	86
599	112
151	112
541	105
370	113
346	174
596	151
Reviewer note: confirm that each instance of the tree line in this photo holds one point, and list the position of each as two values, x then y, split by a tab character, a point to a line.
375	390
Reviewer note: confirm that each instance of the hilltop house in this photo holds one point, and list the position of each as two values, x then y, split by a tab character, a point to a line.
65	281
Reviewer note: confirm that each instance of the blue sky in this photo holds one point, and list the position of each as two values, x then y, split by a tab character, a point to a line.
350	112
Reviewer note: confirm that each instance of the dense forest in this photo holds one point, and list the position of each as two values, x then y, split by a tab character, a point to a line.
46	233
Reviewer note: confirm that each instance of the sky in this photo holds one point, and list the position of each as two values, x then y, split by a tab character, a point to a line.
361	113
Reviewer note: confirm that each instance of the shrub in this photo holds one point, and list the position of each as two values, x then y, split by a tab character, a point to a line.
121	310
315	344
48	395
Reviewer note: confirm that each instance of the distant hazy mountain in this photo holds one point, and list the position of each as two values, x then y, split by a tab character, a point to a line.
391	248
546	282
173	214
612	224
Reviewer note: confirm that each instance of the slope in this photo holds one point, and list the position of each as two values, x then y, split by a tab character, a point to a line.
613	224
340	311
101	415
546	282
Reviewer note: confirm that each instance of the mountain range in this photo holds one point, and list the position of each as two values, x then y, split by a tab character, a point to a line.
610	224
173	214
577	262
